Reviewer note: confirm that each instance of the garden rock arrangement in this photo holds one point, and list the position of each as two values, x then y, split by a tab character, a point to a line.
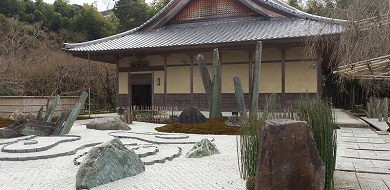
288	157
109	124
43	126
202	148
106	163
191	115
233	121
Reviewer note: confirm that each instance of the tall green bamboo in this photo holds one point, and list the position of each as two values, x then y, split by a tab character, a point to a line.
319	116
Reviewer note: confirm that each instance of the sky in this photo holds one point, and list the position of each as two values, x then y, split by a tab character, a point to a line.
101	4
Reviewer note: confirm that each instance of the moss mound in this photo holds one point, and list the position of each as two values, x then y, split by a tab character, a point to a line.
214	126
4	122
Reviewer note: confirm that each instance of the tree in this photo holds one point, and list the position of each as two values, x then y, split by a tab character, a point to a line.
156	6
366	37
131	13
62	7
91	22
295	3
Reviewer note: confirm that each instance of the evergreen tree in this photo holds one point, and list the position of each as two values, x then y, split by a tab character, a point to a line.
131	13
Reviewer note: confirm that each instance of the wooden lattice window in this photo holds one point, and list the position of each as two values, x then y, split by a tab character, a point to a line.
200	9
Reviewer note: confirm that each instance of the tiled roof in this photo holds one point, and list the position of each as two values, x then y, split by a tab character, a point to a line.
210	32
220	30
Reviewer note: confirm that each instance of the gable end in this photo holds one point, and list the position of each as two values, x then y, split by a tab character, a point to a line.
205	9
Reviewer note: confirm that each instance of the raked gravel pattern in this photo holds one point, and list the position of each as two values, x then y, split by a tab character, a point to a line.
46	165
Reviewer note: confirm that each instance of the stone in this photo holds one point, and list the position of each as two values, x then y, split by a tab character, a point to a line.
50	112
106	163
239	93
215	109
256	81
35	127
31	116
204	73
39	114
191	115
60	122
8	133
16	115
202	148
288	157
233	121
109	124
73	114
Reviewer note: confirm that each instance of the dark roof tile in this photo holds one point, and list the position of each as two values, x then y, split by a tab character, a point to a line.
215	31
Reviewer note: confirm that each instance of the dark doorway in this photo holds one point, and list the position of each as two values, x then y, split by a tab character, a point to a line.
142	95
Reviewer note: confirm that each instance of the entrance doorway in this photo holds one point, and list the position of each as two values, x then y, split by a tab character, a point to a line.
142	95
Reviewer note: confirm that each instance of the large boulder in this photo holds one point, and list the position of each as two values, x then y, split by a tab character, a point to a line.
109	124
191	115
106	163
288	157
202	148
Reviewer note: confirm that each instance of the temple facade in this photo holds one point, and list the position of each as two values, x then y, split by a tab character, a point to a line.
156	62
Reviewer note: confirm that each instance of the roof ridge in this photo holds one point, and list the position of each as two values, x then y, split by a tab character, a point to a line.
280	5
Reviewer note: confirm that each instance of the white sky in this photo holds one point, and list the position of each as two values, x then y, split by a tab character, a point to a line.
101	4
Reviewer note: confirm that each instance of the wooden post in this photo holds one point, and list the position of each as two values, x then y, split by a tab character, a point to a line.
283	96
192	80
165	79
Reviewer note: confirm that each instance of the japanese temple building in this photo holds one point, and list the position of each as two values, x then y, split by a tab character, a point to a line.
156	62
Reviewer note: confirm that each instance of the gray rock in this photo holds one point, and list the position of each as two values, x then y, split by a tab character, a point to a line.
288	157
239	93
106	163
202	148
191	115
233	121
109	124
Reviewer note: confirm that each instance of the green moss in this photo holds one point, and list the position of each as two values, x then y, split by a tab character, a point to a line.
250	183
214	126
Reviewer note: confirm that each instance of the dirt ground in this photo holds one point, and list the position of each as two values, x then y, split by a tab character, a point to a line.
5	122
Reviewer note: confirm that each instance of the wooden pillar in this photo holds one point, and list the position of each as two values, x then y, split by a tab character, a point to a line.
117	83
319	75
165	79
250	67
153	81
192	80
129	91
283	95
220	81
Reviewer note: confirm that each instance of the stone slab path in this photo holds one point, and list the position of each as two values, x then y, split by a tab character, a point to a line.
363	159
